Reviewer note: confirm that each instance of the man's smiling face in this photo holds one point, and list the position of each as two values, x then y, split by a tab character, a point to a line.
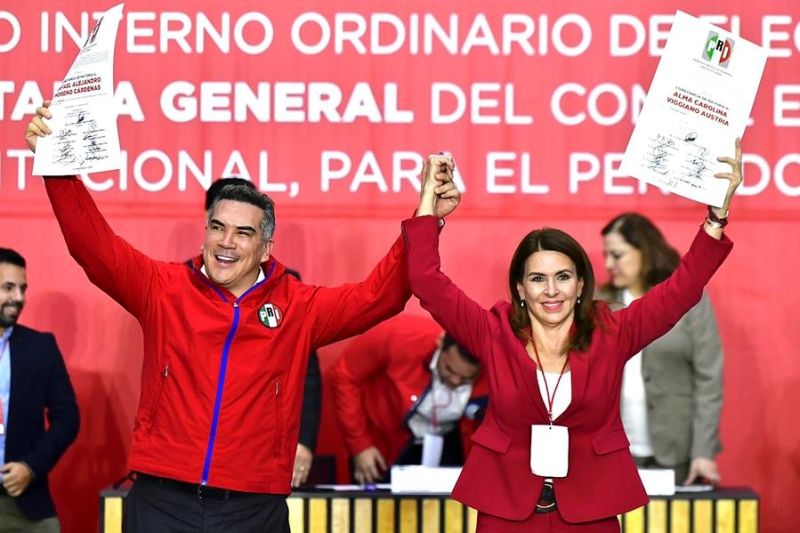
13	284
234	247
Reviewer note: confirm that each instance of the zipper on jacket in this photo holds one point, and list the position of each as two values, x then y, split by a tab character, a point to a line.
276	447
164	375
223	367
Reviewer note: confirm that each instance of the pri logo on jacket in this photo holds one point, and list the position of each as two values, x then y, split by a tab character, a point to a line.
270	315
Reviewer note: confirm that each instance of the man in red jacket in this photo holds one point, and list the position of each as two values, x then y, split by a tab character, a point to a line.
312	388
226	343
397	383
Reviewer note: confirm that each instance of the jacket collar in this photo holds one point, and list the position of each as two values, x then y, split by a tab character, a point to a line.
273	271
17	333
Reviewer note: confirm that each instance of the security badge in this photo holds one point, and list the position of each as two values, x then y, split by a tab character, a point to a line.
270	315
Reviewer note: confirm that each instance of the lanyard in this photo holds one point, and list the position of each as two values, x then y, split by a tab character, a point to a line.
550	399
436	406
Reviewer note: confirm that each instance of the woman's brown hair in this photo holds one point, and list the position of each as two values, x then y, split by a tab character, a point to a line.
555	240
659	259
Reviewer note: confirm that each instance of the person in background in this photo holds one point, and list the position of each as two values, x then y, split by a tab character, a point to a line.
672	389
312	392
39	417
398	382
551	453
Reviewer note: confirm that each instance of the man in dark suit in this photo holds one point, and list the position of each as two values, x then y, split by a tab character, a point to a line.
33	384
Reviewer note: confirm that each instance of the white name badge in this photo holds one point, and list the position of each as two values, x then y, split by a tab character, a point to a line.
549	450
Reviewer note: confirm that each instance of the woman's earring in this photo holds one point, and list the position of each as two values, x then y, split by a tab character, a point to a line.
521	302
579	300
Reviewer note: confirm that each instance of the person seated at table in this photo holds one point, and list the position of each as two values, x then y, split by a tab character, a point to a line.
395	384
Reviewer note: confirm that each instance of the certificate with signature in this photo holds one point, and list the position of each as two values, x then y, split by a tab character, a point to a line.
698	103
84	122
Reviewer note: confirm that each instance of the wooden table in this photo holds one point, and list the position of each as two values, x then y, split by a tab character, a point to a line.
730	510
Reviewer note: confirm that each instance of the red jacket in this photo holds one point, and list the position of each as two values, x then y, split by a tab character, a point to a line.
221	392
602	479
379	380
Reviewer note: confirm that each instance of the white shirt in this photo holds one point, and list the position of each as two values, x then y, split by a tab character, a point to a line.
563	395
633	408
261	276
447	404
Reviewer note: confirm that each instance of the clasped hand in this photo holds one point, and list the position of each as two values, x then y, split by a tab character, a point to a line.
439	195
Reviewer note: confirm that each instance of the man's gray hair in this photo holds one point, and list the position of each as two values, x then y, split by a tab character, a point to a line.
249	195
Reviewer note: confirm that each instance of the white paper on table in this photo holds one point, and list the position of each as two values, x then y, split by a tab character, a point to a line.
417	478
658	481
698	103
84	123
702	487
351	487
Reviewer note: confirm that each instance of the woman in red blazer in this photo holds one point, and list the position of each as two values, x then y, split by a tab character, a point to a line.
551	454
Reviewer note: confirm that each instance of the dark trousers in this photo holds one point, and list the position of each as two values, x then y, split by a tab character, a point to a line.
168	506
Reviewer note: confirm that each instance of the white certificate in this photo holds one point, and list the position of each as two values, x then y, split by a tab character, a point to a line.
698	103
84	123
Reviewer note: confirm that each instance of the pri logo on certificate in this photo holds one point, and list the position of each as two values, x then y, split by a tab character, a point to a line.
718	49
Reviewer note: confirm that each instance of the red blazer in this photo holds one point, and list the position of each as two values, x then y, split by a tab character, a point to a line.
378	381
602	479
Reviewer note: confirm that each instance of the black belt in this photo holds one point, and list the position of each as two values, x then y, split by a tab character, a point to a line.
547	500
203	492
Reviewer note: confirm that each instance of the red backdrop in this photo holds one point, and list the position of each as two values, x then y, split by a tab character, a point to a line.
328	106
